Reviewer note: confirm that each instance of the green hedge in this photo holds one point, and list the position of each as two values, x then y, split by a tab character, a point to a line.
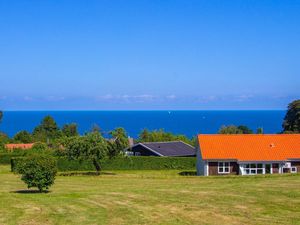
6	157
127	163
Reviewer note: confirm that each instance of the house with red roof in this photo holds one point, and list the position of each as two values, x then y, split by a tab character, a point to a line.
18	146
248	154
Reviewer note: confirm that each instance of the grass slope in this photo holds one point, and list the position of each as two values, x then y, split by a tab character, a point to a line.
153	197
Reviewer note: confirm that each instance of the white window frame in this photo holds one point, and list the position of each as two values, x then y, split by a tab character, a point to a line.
222	165
293	169
252	170
137	153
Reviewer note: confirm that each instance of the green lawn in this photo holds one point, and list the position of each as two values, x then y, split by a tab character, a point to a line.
152	197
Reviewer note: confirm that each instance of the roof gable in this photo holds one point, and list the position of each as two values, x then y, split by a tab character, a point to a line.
250	147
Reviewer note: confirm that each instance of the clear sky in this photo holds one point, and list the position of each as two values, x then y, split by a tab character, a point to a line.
164	54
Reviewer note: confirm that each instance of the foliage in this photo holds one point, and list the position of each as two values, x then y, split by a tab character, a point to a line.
37	171
70	130
232	129
260	130
291	122
124	163
47	130
118	143
161	135
6	157
91	147
1	116
23	137
4	139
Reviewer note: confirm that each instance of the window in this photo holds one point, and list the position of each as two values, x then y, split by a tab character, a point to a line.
223	167
293	169
137	153
254	168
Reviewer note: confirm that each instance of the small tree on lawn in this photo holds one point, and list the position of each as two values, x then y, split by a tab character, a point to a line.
89	147
37	171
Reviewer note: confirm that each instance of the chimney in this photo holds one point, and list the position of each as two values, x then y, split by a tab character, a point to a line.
130	142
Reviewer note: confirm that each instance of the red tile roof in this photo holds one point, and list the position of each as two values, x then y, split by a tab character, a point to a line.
250	147
19	146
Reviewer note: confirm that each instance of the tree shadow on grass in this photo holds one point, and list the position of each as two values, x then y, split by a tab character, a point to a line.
28	191
188	173
84	173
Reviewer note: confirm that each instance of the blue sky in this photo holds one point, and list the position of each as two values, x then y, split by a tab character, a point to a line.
94	55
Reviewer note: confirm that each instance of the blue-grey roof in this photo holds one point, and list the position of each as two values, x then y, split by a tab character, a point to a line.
171	148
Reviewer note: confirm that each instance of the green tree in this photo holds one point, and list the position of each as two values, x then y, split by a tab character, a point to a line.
291	122
245	129
89	147
70	130
38	171
119	142
232	129
47	130
23	137
161	135
260	130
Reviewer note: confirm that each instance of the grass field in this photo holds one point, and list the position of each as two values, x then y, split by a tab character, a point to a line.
152	197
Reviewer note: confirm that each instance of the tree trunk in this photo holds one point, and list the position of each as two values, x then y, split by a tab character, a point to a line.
97	166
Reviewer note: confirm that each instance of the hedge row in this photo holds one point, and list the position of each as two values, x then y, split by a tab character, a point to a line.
6	157
127	163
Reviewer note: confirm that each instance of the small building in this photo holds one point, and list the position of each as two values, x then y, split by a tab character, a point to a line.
248	154
170	148
18	146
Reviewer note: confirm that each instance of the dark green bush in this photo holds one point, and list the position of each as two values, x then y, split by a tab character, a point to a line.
37	171
126	163
6	157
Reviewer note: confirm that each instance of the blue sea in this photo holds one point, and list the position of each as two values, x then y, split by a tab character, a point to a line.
189	123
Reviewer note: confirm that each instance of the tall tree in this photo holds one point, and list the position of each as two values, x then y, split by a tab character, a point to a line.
70	130
118	143
291	122
47	130
89	147
1	116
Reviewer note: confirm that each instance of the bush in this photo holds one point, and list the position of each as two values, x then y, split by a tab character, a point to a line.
37	171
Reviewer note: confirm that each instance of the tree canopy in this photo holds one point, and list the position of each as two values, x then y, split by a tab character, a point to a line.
70	130
47	130
118	143
232	129
161	135
291	122
91	147
23	137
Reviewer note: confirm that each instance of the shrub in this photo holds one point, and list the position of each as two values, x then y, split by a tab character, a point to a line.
37	171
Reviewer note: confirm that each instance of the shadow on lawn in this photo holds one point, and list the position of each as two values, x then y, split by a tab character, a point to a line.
84	173
188	173
28	191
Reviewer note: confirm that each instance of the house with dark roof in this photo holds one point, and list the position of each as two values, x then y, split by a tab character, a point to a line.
170	148
248	154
